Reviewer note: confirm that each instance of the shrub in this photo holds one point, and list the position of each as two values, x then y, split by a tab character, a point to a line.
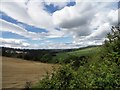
76	74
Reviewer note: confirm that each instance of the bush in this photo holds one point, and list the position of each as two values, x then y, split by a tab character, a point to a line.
64	78
76	74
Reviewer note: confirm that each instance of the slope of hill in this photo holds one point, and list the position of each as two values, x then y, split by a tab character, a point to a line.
48	56
91	52
97	67
16	72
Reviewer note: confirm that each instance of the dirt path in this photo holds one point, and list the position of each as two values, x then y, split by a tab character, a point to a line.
16	72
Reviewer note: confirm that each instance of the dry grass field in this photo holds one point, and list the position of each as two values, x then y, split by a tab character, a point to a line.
16	72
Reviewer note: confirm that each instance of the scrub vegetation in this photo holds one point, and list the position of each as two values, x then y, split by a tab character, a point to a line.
97	67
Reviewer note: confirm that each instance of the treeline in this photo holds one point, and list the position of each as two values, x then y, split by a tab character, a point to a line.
102	71
42	55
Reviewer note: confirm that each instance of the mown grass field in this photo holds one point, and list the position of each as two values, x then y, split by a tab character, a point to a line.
16	72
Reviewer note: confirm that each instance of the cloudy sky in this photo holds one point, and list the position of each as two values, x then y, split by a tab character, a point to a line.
52	24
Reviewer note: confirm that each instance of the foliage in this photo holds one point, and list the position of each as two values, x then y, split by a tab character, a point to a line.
112	45
84	72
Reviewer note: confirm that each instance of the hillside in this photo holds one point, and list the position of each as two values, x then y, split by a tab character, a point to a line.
48	55
96	67
91	52
16	72
42	55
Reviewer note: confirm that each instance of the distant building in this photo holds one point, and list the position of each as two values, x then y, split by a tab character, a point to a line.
18	52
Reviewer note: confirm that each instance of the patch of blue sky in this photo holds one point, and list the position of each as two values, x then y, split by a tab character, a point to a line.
37	42
51	8
48	41
7	18
11	35
32	28
72	3
23	25
114	5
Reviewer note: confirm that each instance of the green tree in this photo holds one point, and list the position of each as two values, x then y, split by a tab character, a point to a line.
112	45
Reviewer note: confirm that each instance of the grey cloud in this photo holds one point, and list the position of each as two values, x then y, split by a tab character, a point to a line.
75	22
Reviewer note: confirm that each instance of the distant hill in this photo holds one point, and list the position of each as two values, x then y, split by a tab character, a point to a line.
47	55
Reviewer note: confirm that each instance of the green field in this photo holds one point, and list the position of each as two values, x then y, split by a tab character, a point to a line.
91	52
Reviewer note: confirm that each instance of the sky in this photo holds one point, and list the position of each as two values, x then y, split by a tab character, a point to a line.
56	24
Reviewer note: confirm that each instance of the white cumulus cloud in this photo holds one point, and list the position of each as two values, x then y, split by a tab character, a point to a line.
86	22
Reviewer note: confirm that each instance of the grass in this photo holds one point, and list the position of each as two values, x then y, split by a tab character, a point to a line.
92	52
